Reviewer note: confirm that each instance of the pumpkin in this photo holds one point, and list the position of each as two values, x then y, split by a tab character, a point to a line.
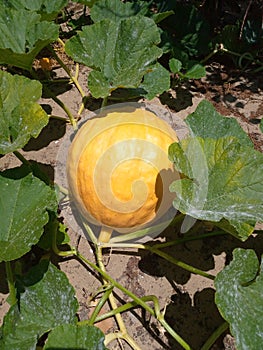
118	169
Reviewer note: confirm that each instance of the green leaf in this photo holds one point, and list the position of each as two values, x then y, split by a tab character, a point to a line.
53	226
24	203
222	180
156	81
20	116
239	298
23	36
46	300
89	3
75	337
48	9
120	53
158	17
175	65
205	121
261	125
116	10
193	34
197	71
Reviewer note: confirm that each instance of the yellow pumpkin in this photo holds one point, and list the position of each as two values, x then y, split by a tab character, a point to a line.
118	169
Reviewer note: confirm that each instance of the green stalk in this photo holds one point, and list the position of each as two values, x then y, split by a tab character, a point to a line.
217	333
73	78
180	263
100	304
189	239
113	304
56	250
64	107
58	101
22	158
125	307
104	102
11	284
137	300
166	256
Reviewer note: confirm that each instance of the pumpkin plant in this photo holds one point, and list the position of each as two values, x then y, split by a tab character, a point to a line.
127	173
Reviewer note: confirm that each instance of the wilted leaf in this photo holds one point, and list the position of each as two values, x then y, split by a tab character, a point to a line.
239	298
156	81
75	337
46	300
23	213
23	36
223	180
20	116
120	53
205	121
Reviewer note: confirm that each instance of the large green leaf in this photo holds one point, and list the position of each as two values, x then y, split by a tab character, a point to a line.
239	297
156	81
70	337
20	116
205	121
23	36
23	212
222	180
48	9
120	53
46	300
116	10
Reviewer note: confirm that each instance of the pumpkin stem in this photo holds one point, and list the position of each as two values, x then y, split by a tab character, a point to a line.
105	234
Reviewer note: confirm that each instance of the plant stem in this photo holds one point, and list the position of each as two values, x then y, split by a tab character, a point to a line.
138	300
166	256
113	304
180	263
11	283
100	304
22	158
105	234
212	339
64	107
189	239
56	250
58	117
58	101
104	102
67	70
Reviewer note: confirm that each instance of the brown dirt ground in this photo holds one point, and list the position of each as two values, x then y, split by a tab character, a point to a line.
187	298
